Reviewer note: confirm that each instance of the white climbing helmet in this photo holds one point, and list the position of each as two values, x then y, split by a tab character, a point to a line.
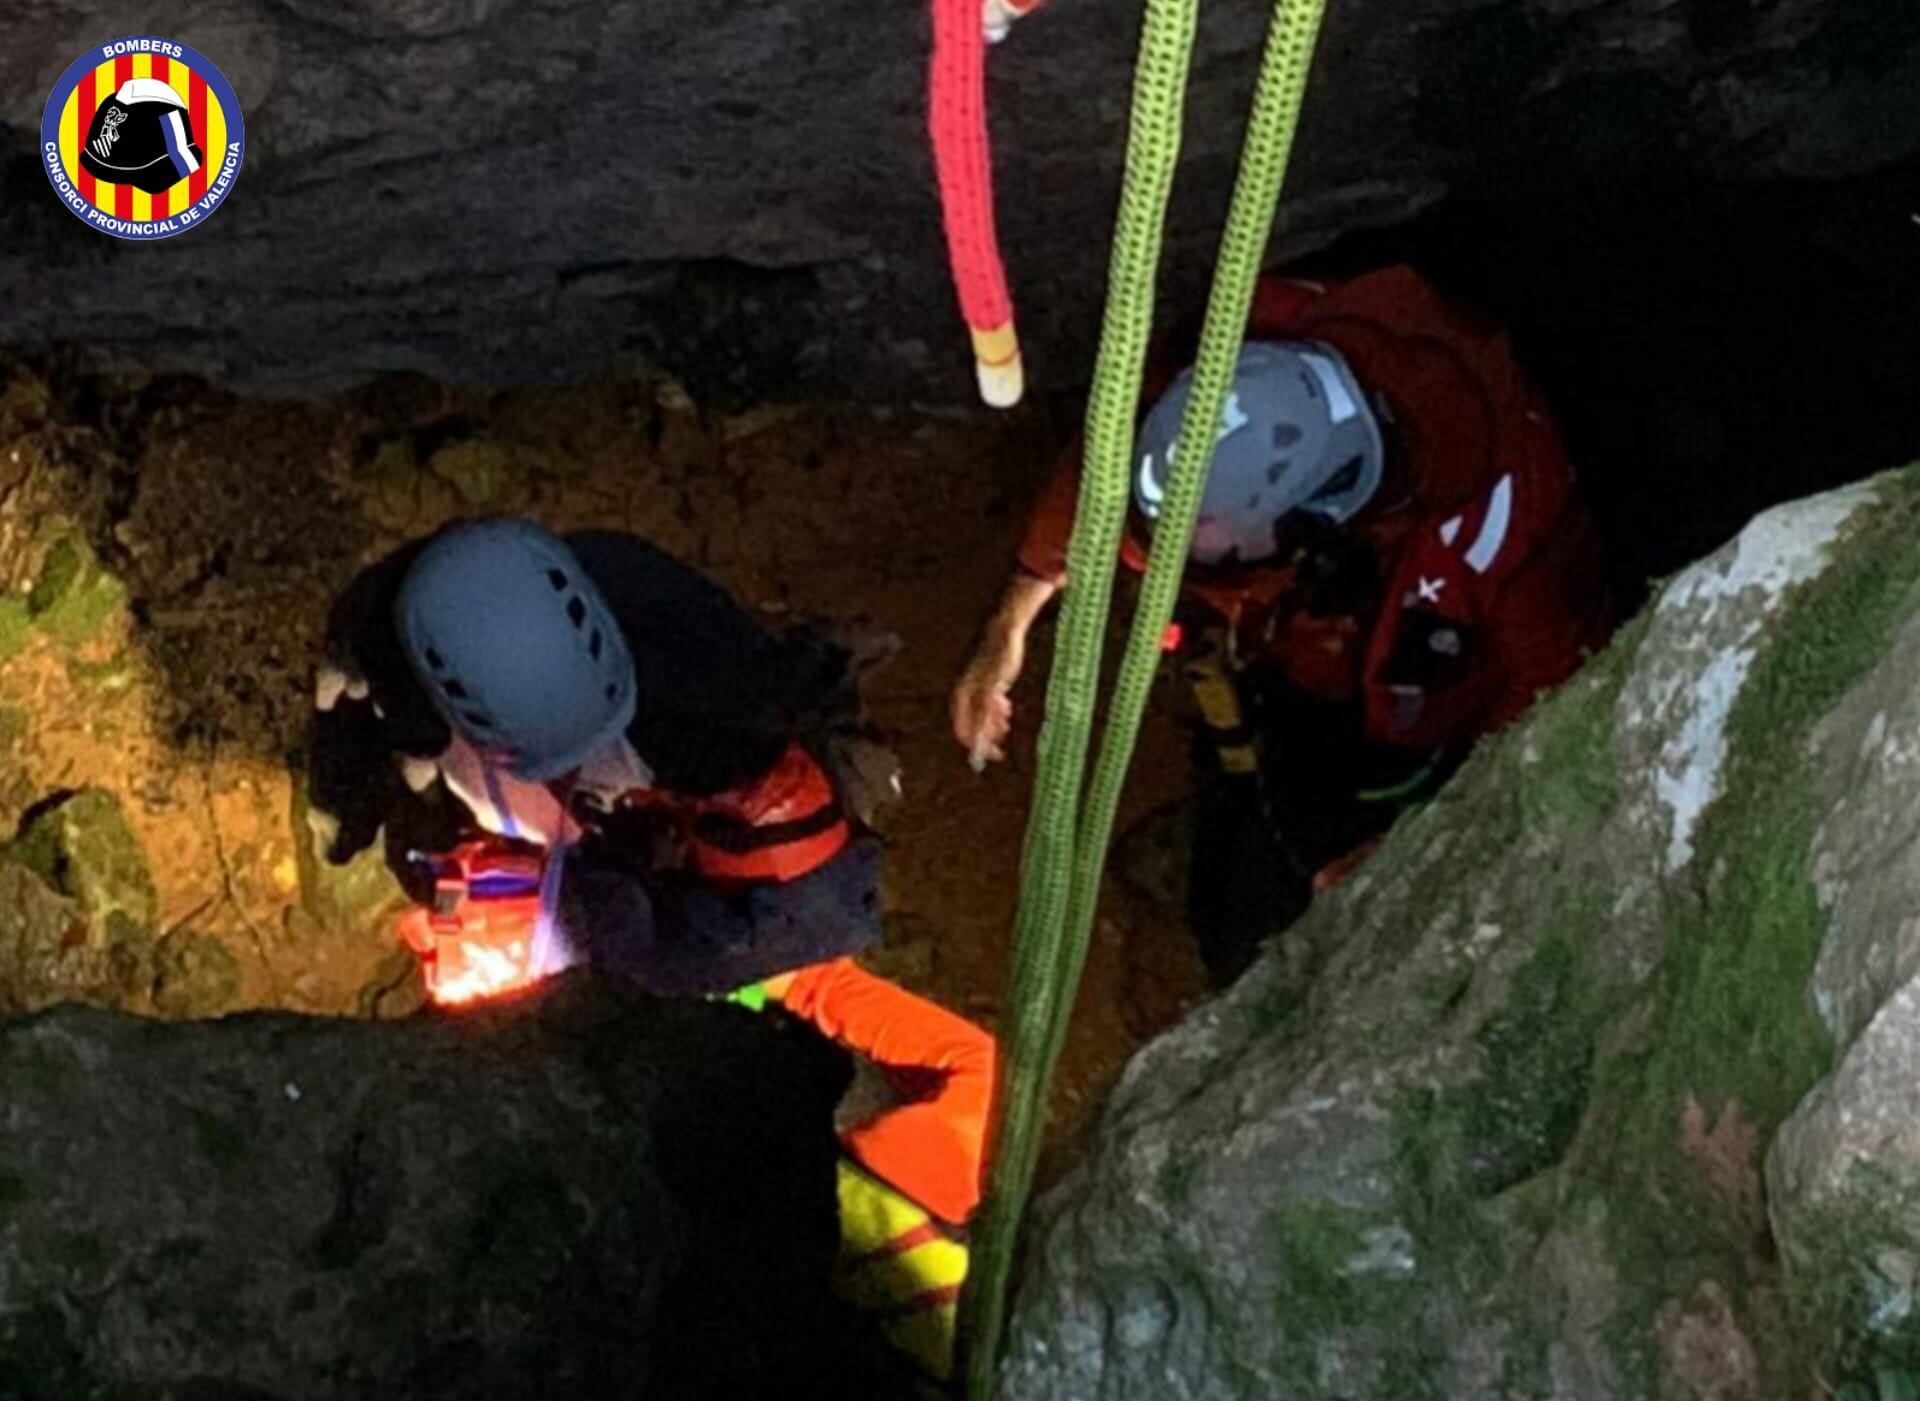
1297	434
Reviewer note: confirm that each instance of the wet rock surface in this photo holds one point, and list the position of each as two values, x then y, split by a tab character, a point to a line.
587	1195
492	193
1604	1087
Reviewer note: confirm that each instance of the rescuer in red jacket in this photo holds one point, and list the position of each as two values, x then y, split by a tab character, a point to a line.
1391	559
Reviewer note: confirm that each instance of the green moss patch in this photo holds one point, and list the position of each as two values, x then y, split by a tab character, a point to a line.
1575	773
16	626
357	900
1731	1023
1317	1244
1572	1106
194	975
1340	1294
1520	1116
84	848
74	595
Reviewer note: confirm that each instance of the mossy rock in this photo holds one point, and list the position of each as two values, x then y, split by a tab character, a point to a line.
84	848
408	501
355	901
52	950
194	975
1600	1037
478	468
73	596
16	626
35	922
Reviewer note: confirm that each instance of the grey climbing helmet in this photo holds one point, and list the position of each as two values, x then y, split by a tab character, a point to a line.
516	645
1297	434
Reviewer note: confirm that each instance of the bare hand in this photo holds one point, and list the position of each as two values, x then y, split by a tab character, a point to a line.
982	708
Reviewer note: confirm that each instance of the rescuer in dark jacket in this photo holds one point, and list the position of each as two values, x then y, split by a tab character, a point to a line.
596	697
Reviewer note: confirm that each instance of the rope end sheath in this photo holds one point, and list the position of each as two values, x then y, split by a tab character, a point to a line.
996	362
957	121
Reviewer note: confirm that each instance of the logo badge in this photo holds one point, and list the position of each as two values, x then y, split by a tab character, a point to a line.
142	138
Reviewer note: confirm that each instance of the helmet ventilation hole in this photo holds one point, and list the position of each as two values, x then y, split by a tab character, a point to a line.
434	660
455	689
577	611
612	691
1342	481
593	645
558	578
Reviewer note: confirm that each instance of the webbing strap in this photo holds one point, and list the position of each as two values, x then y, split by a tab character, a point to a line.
1066	845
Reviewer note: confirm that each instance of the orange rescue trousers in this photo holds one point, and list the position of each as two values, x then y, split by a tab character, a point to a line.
916	1168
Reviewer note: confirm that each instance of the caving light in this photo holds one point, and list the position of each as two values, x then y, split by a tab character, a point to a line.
490	931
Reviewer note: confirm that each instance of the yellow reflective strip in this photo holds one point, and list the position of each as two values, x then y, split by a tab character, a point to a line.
872	1213
893	1280
935	1265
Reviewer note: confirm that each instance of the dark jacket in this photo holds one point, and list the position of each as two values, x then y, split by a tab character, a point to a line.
727	714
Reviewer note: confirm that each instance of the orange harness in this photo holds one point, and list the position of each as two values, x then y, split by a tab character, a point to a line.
784	826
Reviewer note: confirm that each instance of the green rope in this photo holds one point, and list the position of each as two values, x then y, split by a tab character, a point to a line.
1066	848
1047	862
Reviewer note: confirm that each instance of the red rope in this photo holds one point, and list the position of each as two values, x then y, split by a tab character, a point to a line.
957	120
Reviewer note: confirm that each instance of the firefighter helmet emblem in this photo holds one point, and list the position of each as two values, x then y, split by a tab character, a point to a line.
142	138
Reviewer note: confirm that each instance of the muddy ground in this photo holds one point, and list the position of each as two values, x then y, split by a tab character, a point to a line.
169	552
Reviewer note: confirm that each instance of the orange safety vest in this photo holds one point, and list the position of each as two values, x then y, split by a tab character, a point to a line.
784	825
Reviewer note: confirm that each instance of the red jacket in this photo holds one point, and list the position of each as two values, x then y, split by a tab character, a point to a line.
1478	526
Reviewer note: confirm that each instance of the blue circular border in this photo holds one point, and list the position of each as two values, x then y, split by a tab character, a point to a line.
199	63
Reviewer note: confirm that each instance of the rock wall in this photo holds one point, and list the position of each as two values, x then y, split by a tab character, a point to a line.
488	192
1605	1085
587	1195
154	854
